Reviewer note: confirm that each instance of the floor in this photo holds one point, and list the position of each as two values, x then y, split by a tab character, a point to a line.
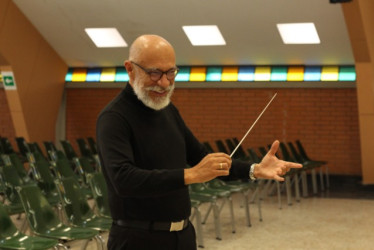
340	218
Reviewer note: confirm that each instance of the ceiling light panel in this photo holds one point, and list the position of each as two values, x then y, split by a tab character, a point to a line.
298	33
106	37
204	35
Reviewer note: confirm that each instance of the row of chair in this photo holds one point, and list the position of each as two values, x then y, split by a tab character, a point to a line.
53	182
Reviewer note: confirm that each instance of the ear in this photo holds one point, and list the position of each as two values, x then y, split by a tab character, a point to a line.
130	70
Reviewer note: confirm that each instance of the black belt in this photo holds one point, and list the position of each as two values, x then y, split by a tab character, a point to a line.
153	225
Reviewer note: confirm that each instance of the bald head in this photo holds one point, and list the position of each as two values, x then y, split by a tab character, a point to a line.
149	49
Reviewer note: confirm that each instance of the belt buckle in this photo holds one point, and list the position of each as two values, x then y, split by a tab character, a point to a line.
176	226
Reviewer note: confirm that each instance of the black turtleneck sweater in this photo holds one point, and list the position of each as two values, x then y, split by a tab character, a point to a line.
143	154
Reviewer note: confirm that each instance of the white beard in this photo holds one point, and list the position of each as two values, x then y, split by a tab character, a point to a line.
159	102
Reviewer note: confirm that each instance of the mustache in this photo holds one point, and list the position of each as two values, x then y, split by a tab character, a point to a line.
159	88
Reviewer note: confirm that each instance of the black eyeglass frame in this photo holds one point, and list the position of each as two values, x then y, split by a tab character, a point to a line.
156	74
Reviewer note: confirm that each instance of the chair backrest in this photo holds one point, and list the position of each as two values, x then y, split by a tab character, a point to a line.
85	164
294	153
6	145
84	148
68	149
18	165
302	150
92	143
221	147
23	147
254	156
63	166
208	147
74	202
11	180
39	212
7	228
43	175
49	146
100	193
285	153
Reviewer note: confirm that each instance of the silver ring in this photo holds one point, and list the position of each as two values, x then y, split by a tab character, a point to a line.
220	165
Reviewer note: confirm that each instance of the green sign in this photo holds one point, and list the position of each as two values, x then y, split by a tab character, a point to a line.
8	80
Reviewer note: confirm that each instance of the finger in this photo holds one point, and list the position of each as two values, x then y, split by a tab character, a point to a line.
221	172
274	148
294	165
278	178
223	166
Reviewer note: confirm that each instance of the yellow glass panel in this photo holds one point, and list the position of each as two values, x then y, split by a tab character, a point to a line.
108	75
295	73
79	75
197	74
330	73
230	74
262	73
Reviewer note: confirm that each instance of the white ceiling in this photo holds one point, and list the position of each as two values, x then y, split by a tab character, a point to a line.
249	28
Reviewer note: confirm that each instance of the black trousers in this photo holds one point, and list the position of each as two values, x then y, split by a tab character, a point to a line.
123	238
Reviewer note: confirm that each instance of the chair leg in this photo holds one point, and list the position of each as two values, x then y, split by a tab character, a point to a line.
279	195
327	178
232	214
304	183
321	179
60	245
199	229
259	205
100	242
246	208
288	189
297	189
207	214
217	223
314	181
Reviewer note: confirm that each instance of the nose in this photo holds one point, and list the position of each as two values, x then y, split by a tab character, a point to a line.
164	82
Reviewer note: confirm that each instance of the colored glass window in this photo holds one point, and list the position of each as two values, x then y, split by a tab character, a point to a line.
312	73
213	74
197	74
295	73
246	73
278	73
79	75
230	74
330	73
93	75
262	73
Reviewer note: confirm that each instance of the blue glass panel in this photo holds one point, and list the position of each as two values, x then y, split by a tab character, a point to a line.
121	75
347	73
246	73
183	74
312	73
69	75
93	75
278	73
213	74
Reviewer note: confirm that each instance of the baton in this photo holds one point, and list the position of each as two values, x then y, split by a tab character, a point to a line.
249	130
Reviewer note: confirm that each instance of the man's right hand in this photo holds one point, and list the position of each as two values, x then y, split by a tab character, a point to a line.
210	167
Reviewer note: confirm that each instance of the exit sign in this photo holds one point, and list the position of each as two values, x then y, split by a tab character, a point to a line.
8	80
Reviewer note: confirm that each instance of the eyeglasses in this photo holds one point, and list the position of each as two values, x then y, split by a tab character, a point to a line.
156	74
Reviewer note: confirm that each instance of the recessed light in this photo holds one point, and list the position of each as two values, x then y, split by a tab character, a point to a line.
106	37
204	35
298	33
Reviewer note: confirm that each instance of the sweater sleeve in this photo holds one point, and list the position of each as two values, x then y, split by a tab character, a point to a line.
114	138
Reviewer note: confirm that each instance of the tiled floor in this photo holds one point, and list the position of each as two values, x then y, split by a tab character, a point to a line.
341	218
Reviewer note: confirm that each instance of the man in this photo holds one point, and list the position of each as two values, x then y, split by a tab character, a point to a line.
145	148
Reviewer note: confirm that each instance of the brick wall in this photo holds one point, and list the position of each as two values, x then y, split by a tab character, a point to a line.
325	120
6	124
